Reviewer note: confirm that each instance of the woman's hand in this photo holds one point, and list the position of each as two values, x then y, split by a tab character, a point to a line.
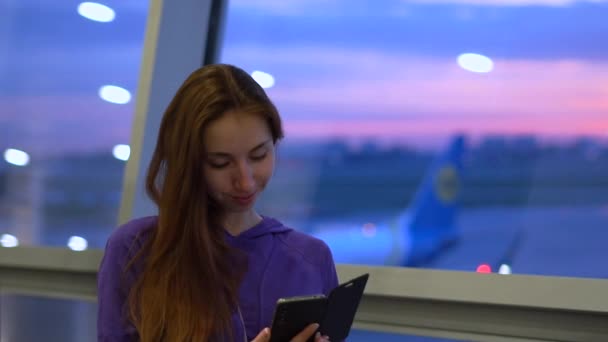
303	336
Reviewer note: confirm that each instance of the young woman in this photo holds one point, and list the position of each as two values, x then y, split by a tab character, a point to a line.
209	266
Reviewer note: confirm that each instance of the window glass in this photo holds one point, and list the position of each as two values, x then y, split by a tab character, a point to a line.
357	335
452	134
68	75
33	319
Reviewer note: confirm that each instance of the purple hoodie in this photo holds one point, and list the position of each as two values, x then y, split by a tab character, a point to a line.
282	263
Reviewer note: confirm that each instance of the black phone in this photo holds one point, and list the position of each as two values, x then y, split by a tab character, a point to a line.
342	305
292	315
334	314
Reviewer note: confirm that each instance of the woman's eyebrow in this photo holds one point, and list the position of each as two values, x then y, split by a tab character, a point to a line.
218	155
258	146
228	155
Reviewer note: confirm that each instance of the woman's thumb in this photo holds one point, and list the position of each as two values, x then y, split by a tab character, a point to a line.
263	336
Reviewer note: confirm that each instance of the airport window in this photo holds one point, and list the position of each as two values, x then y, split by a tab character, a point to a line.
357	335
67	92
449	134
71	320
31	318
358	161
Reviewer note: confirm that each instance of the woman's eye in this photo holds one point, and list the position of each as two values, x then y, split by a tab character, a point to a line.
218	165
259	156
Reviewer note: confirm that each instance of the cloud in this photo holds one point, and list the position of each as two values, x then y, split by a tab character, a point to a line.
427	132
434	29
61	124
69	70
325	7
361	80
351	92
355	74
400	8
43	5
556	3
287	7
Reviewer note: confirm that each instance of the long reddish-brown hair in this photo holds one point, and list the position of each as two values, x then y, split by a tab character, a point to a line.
188	289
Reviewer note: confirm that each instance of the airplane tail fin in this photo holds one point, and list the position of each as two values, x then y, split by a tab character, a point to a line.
432	220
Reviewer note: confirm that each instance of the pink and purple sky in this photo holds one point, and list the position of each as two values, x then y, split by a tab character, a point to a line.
355	69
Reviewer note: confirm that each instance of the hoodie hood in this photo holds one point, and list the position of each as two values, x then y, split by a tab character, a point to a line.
267	226
258	242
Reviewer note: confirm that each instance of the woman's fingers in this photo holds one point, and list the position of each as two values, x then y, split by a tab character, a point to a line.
319	338
305	334
263	336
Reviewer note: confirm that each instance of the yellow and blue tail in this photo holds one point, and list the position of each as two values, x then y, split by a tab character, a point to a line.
417	234
433	214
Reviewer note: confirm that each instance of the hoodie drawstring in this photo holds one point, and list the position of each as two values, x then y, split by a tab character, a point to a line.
242	323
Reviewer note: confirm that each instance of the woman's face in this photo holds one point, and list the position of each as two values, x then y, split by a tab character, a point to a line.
239	159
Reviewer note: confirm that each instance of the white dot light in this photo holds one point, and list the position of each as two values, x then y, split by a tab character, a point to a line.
8	240
115	94
77	243
504	269
96	12
265	80
16	157
121	152
475	63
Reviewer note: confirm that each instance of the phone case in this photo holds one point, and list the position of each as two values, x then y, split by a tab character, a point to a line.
342	305
292	315
335	314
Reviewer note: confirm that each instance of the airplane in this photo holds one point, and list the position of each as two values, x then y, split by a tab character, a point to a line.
414	236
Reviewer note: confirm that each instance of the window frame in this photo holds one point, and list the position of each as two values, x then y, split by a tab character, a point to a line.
449	304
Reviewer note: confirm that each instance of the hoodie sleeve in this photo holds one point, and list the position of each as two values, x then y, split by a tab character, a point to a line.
330	275
112	293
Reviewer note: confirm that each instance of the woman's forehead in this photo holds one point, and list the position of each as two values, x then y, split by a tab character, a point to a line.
236	131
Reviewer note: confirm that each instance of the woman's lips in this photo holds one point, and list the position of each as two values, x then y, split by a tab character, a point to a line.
244	200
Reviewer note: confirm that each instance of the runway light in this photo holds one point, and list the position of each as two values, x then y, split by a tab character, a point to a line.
96	12
475	62
484	268
8	240
265	80
504	269
115	94
16	157
121	152
77	243
369	230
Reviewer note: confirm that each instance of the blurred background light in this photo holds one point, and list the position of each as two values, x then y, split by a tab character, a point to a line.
475	62
77	243
16	157
96	12
265	80
114	94
121	152
8	240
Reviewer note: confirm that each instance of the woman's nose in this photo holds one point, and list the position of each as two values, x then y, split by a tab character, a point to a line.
244	180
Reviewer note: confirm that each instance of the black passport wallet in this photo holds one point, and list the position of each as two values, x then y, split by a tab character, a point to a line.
334	313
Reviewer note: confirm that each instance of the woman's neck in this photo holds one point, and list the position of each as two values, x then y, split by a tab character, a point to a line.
237	223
